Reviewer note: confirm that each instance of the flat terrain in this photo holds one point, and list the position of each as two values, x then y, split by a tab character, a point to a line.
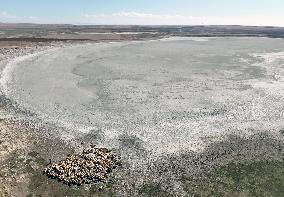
199	116
37	32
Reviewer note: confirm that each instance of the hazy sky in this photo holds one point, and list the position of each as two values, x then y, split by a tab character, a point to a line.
146	12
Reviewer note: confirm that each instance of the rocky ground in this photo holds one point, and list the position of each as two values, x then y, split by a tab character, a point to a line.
92	166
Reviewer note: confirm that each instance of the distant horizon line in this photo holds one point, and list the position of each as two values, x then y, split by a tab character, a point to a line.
145	25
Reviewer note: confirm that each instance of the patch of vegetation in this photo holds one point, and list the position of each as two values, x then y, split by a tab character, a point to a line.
3	192
102	191
42	186
281	131
264	178
33	154
3	147
153	190
16	163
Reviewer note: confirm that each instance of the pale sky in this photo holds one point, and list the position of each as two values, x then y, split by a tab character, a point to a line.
145	12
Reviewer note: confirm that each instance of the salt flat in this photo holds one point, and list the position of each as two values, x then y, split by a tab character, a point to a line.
171	107
169	94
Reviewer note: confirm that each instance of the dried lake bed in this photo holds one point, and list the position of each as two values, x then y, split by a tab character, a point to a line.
173	108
